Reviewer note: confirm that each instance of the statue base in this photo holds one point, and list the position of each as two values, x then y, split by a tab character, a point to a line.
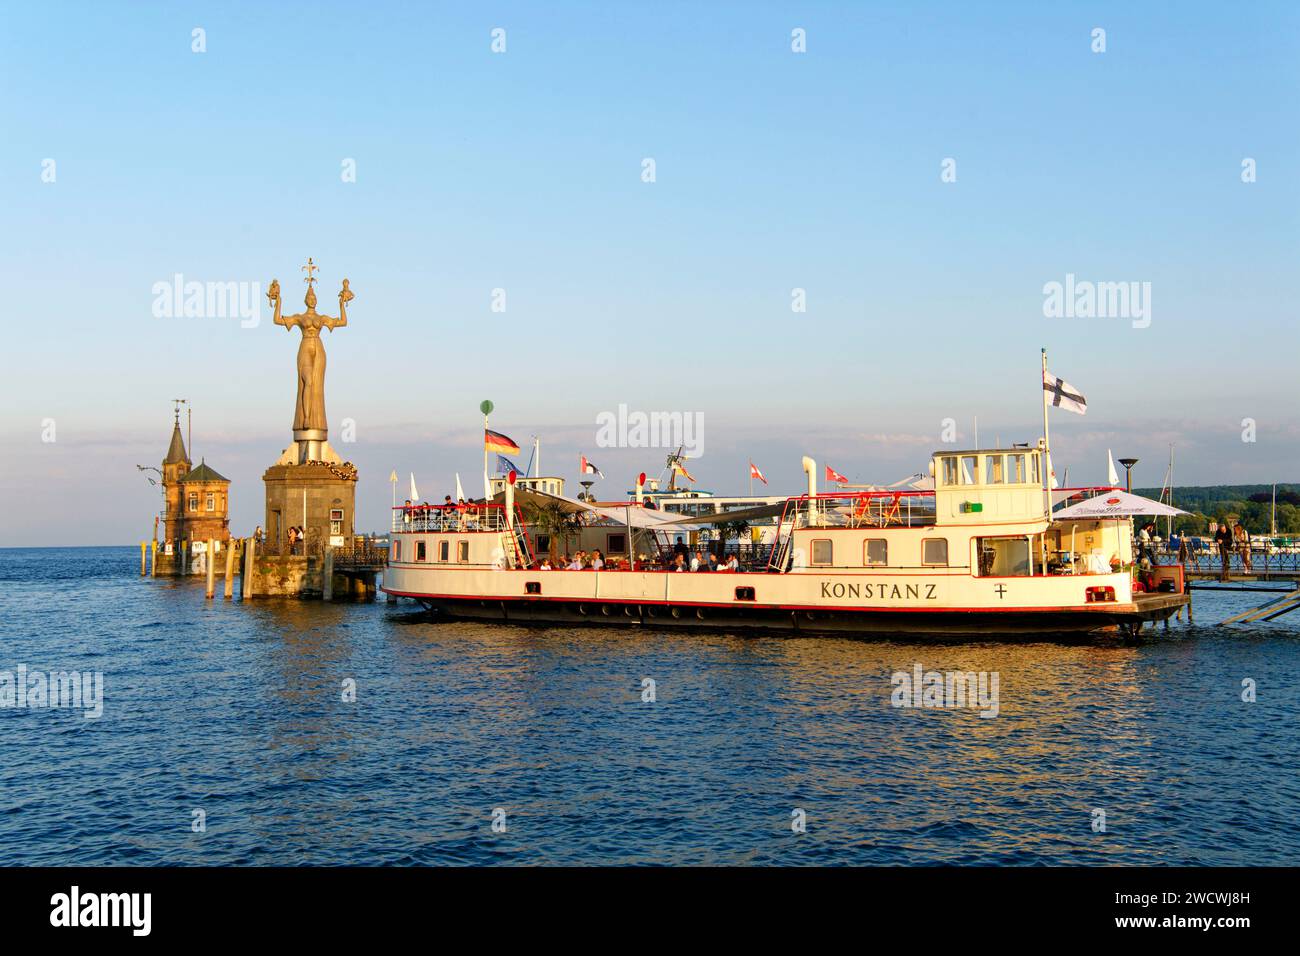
319	497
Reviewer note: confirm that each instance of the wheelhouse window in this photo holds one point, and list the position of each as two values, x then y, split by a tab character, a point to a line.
397	551
1016	467
969	469
822	551
462	552
949	469
875	552
934	551
420	552
994	472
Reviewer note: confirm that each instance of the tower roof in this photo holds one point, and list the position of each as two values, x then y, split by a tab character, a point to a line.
176	450
204	472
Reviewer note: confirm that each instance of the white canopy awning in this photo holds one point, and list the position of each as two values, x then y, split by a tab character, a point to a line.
1114	504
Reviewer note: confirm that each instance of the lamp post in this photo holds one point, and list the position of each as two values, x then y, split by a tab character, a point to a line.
1128	464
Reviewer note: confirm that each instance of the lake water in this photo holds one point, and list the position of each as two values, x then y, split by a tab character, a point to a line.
237	710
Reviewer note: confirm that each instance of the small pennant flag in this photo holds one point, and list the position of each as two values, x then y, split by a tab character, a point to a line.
1063	395
460	492
499	443
833	475
587	468
415	495
681	470
755	473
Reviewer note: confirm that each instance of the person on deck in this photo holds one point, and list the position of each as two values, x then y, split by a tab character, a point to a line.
697	562
1223	541
1242	538
680	549
733	563
597	561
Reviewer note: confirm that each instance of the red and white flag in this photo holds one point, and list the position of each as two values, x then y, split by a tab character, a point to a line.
755	473
833	475
587	468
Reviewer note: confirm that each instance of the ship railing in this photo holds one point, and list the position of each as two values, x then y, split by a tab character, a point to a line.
452	518
861	509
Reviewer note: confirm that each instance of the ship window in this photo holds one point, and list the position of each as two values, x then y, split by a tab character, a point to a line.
532	587
1033	470
969	469
616	544
1017	469
462	551
744	594
543	543
875	551
994	473
1003	557
822	551
397	551
420	552
934	551
949	470
444	550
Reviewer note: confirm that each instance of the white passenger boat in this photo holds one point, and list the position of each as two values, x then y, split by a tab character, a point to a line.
981	553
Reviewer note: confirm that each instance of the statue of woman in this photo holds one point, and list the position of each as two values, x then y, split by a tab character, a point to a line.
309	411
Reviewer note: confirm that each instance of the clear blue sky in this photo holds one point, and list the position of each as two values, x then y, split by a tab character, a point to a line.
522	171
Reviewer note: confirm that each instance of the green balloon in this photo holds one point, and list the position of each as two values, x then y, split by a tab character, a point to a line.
486	407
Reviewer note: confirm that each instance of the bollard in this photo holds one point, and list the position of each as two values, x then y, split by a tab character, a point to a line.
153	566
211	565
143	547
327	580
246	582
230	569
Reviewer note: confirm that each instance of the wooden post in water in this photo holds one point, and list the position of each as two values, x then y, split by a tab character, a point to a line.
211	565
143	546
246	582
184	557
153	566
230	569
327	579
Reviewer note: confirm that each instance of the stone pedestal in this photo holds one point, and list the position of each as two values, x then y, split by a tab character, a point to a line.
319	497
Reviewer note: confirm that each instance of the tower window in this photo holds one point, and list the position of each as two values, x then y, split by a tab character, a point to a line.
194	501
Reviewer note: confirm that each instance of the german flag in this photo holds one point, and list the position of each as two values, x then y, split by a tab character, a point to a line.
499	443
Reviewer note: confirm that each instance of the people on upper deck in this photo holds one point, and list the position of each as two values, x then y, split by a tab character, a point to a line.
711	560
576	563
733	563
679	563
597	561
545	565
680	548
697	562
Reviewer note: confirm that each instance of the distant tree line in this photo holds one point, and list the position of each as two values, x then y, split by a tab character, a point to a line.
1252	505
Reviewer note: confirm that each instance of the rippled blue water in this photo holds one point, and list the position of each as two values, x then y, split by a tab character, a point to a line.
236	710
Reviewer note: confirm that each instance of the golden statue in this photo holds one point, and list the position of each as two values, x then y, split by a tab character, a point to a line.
309	425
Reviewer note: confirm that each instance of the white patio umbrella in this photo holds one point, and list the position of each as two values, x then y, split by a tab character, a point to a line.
1115	504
